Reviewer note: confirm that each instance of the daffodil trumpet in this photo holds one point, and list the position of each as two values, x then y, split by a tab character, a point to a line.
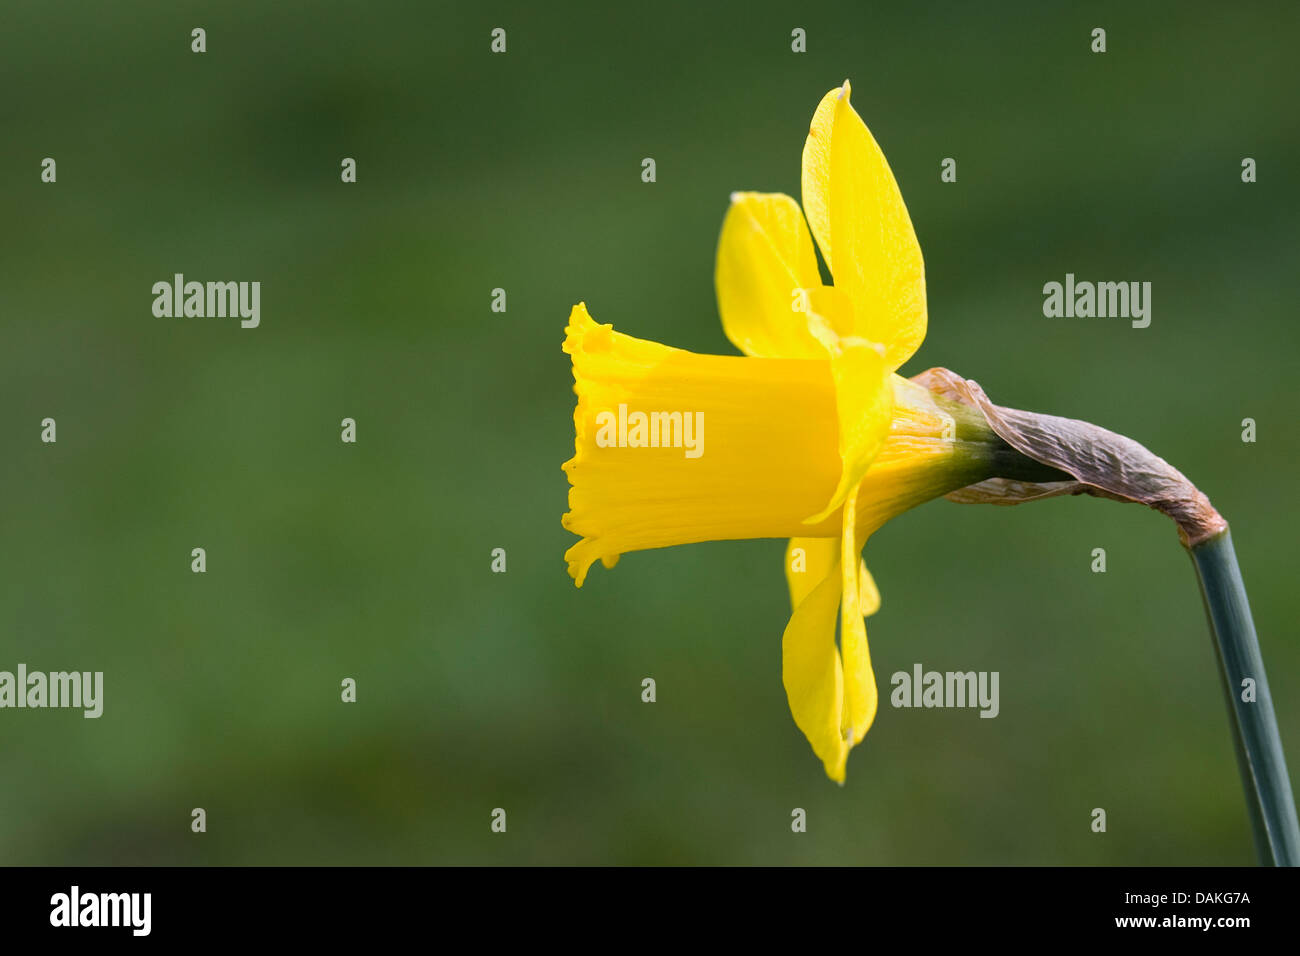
815	437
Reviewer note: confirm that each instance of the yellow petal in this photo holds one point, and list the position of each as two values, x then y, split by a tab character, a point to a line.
864	405
766	275
854	208
816	179
807	562
860	697
813	676
868	593
831	317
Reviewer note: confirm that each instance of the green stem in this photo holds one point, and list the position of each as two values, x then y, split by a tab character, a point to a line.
1108	465
1254	725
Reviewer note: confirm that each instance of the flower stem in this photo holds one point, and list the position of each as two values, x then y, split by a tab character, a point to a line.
1254	725
1108	465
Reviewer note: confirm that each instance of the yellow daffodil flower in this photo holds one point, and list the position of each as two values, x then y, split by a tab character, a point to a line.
811	435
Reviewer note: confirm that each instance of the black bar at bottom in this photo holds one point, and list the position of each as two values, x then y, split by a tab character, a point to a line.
932	904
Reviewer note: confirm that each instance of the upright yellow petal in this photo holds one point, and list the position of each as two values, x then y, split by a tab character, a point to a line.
854	207
813	676
766	277
816	178
860	696
864	405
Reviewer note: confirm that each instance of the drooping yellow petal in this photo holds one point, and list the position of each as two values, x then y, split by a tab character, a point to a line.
807	562
766	277
868	593
857	214
860	696
812	674
864	405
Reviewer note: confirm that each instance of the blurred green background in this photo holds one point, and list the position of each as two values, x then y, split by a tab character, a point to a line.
475	171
